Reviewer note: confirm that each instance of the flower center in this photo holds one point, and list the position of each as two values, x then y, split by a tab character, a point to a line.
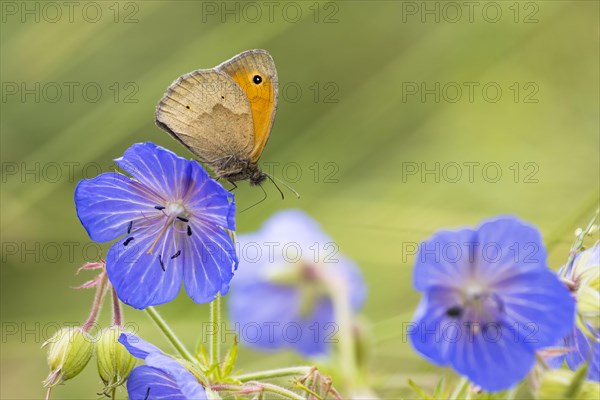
478	304
173	211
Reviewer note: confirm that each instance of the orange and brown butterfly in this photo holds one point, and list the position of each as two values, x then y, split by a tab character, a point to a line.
224	115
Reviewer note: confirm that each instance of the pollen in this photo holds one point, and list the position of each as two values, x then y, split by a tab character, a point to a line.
173	211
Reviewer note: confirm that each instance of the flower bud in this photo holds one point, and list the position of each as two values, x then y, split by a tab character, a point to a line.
113	360
69	351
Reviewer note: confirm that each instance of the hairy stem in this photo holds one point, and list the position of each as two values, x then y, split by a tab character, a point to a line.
258	387
97	304
273	373
117	312
215	320
169	334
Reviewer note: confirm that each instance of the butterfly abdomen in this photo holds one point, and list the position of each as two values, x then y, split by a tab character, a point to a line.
235	169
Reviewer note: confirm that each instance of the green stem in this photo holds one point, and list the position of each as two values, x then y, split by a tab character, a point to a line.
258	387
215	320
268	387
169	334
273	373
579	243
343	316
565	228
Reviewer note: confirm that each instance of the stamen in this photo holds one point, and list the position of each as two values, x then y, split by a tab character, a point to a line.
159	207
147	394
183	219
176	254
162	265
189	231
454	312
127	241
162	231
129	227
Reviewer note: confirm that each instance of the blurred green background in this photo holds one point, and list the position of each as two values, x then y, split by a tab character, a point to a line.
353	119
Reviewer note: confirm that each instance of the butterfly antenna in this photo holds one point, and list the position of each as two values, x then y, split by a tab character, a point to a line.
258	202
291	189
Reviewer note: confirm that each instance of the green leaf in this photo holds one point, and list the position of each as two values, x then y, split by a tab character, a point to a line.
418	390
577	382
439	388
230	359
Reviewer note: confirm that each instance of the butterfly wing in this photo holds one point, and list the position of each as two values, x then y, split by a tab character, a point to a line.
254	71
209	114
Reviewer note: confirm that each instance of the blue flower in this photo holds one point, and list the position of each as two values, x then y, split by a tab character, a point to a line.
489	301
161	377
583	348
172	218
281	295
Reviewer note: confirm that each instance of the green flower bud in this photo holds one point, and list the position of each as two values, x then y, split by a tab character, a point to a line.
113	360
69	351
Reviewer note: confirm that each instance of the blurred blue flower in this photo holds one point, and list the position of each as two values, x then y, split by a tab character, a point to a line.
585	269
489	301
162	377
281	294
173	218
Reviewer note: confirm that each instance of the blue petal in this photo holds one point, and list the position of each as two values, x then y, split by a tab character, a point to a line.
431	333
147	383
584	349
138	277
355	283
186	382
209	259
268	313
509	246
136	346
209	201
494	360
318	331
277	323
165	377
298	228
594	368
108	203
259	321
160	169
445	259
539	307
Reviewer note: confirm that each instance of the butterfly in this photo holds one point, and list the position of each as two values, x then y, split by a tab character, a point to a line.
224	115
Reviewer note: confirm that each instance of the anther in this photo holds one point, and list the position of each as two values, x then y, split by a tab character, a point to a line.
454	312
162	265
183	219
159	207
176	254
189	231
127	241
129	227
